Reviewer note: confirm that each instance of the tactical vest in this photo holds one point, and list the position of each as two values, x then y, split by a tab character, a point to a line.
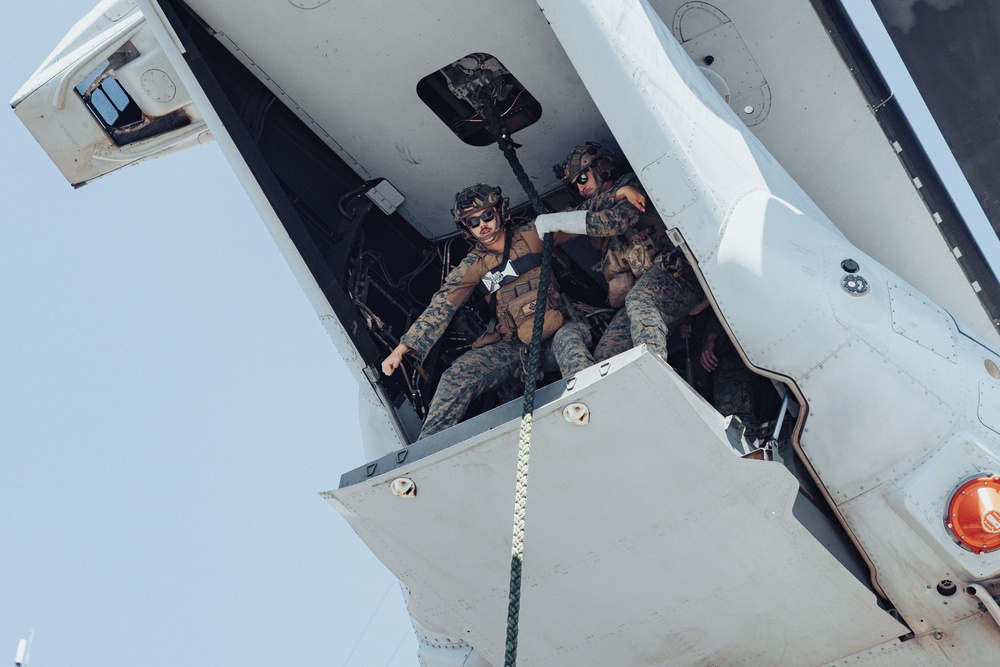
632	254
512	287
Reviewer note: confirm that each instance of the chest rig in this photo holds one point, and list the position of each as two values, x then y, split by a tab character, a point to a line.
630	255
512	287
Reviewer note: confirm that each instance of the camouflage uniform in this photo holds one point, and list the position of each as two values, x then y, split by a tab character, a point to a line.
488	365
617	337
732	382
658	300
661	296
574	339
570	345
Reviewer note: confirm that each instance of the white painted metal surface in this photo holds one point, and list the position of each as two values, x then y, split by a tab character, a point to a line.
707	565
886	386
56	115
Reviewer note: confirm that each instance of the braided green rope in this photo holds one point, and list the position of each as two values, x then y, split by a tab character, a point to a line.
499	132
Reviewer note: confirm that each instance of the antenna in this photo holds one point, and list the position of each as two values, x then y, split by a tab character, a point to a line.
22	647
23	650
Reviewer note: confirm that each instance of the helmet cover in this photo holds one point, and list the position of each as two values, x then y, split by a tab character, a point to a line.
476	197
583	158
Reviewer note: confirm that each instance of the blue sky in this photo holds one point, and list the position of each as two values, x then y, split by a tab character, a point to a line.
171	408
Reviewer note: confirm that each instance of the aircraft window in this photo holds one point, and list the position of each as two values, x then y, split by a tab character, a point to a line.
105	96
112	105
446	93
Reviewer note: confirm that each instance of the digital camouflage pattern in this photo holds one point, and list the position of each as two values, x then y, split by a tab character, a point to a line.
732	383
431	325
605	217
573	341
459	285
476	197
571	345
479	369
659	298
582	158
733	392
482	369
617	337
657	301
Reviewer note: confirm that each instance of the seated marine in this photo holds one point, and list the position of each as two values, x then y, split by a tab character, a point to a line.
505	264
644	271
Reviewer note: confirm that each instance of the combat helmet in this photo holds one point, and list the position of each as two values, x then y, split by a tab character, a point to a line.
581	158
476	197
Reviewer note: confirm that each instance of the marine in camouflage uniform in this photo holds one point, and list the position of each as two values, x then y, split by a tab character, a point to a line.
664	292
732	385
477	371
500	356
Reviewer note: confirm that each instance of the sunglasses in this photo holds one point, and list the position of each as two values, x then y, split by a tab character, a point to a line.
581	178
474	221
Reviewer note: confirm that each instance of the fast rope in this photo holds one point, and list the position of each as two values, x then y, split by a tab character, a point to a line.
506	145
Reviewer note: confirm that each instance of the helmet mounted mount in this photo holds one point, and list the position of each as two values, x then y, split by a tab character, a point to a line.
587	156
477	197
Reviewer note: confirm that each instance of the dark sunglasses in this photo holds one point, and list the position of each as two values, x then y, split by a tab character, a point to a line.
474	221
581	178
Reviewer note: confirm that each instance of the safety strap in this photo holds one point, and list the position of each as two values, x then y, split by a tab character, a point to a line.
507	271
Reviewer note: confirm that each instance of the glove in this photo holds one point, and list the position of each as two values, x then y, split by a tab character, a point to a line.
572	222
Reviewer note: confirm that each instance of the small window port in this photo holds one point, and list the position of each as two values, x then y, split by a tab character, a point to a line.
447	93
116	110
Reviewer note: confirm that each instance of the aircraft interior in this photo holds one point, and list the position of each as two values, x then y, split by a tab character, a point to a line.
385	271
